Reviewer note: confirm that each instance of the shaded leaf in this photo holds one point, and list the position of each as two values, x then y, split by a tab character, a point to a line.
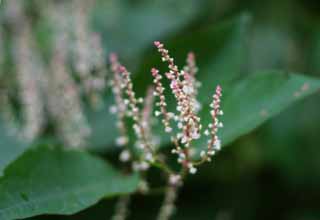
251	101
56	181
129	28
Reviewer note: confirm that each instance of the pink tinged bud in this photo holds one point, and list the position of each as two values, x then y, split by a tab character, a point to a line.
186	75
122	69
218	90
174	84
154	72
157	43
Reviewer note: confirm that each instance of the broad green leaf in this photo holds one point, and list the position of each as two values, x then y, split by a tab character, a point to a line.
221	53
253	100
56	181
11	147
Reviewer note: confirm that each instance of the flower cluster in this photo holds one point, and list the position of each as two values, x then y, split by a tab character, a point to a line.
53	97
184	87
53	93
182	123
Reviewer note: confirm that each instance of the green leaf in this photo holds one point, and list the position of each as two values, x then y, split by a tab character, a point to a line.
255	99
221	53
11	147
56	181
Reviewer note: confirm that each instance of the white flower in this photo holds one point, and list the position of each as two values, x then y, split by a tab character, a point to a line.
188	90
174	179
121	141
157	113
125	156
113	109
202	154
168	129
193	170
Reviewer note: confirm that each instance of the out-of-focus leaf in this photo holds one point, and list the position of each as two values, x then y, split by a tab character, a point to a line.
252	101
56	181
221	53
220	49
291	137
11	147
129	28
314	56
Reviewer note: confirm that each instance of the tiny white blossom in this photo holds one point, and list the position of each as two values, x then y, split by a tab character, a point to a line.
193	170
157	113
149	157
113	109
121	141
174	179
125	156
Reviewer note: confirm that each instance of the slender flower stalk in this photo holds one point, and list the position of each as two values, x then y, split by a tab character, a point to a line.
147	119
121	107
121	209
134	112
182	87
168	207
191	70
214	144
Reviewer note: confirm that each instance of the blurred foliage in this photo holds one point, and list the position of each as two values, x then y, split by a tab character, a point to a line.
271	173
